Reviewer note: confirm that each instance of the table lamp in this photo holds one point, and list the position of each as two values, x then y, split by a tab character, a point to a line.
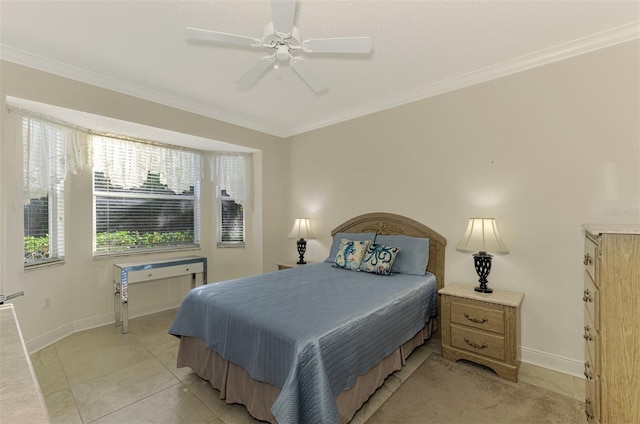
301	230
482	236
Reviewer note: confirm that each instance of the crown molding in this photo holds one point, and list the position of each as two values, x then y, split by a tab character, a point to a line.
44	64
617	35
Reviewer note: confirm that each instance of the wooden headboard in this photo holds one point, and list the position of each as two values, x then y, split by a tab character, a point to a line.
392	224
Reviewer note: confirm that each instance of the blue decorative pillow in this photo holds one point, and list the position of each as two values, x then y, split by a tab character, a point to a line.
414	255
379	259
350	236
350	254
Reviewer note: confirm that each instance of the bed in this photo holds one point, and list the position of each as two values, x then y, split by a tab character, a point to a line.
313	343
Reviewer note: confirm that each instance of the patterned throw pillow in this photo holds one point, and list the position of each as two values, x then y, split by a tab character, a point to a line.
350	254
379	259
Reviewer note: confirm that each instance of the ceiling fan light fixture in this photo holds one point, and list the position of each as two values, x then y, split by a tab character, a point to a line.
282	52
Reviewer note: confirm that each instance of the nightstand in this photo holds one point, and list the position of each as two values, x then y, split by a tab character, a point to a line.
482	327
290	265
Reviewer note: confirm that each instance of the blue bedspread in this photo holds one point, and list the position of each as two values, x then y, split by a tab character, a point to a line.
310	331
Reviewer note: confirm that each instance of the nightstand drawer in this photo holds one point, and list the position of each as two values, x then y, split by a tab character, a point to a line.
474	314
490	345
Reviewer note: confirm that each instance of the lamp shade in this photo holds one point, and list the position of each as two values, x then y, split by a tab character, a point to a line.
482	236
301	229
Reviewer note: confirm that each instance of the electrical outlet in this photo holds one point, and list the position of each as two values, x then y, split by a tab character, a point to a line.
47	303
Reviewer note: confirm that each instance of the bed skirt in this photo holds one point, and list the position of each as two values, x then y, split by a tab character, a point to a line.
237	386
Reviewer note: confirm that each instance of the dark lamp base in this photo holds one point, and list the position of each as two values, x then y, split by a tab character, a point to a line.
483	289
302	247
482	262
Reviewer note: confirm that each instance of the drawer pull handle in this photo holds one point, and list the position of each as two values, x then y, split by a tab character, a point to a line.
587	259
475	345
587	296
587	372
150	275
589	415
587	333
187	269
476	320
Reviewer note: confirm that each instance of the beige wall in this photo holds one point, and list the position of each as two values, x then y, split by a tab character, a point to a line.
542	151
80	290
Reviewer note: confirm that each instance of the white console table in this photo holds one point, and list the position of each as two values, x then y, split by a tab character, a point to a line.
138	272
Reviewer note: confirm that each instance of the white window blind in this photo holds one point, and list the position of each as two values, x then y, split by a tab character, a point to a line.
233	195
146	197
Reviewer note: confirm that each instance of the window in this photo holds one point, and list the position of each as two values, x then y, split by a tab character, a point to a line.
146	197
44	152
231	222
232	182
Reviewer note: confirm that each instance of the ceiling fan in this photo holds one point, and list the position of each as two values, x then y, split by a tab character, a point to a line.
282	40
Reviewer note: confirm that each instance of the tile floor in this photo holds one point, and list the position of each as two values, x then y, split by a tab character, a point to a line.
102	376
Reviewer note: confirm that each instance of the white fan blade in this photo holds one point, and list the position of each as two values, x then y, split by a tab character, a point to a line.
309	76
222	37
338	45
282	13
255	72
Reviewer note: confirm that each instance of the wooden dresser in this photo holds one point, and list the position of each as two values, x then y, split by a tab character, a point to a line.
612	323
482	327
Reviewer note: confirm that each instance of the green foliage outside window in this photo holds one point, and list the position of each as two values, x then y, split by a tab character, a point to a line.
37	248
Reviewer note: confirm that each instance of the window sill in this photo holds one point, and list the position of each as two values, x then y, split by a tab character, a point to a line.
129	253
225	245
44	264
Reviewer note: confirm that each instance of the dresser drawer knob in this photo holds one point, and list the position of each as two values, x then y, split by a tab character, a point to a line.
587	296
587	259
587	333
475	320
589	415
587	371
475	345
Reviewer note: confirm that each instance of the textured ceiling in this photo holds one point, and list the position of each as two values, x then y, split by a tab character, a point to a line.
421	48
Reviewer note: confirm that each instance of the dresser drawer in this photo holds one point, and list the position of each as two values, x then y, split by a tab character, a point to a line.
591	336
590	368
591	299
484	316
479	342
590	257
591	400
147	275
174	271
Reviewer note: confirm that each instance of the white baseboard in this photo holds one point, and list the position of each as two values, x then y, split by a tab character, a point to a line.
49	338
554	362
39	343
152	309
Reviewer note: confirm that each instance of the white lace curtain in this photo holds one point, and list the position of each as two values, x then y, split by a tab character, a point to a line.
232	173
49	152
127	163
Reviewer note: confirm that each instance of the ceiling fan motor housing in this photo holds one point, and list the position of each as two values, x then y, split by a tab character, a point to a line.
282	43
